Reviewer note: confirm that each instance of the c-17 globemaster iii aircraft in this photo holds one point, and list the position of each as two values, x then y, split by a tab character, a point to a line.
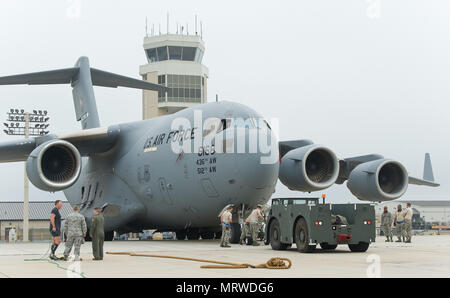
176	172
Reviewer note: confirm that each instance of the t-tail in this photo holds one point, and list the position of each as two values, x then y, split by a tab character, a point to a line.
428	169
82	79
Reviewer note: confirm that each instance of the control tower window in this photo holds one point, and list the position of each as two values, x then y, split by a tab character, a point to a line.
199	56
162	53
188	53
175	53
184	88
151	54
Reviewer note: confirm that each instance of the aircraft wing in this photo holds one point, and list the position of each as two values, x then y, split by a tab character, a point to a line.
89	141
347	165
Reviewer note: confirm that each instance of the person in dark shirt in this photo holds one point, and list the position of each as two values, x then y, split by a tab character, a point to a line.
55	228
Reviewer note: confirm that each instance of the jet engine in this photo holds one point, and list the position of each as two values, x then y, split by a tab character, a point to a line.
54	165
309	168
378	180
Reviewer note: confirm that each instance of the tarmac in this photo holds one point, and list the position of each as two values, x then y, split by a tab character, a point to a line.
427	256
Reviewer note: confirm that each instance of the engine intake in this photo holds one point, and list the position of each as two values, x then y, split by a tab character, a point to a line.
379	180
54	165
309	168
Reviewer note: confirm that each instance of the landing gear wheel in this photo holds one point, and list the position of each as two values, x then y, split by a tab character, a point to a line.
207	235
88	237
218	235
302	237
109	236
360	247
193	234
275	236
326	246
235	233
181	235
248	240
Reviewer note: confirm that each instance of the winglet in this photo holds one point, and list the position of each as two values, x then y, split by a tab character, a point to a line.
428	169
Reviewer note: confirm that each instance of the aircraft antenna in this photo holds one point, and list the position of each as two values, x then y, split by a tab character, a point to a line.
146	27
196	25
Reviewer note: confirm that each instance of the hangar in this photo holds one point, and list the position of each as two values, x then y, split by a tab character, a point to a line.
11	216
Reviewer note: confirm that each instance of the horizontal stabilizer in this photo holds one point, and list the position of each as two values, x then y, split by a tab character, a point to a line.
68	75
417	181
59	76
108	79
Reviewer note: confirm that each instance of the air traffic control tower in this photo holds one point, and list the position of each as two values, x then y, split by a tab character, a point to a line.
175	61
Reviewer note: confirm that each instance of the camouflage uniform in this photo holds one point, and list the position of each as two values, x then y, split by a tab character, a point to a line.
98	235
245	231
407	226
386	225
252	219
75	228
226	228
399	226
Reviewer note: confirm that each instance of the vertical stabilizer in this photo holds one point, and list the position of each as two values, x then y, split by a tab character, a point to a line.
428	169
83	96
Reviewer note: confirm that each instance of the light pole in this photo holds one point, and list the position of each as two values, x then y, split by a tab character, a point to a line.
18	124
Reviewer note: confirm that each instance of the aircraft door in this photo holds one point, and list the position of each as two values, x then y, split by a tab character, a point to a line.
164	188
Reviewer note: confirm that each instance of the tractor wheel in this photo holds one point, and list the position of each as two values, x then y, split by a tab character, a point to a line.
275	236
360	247
302	237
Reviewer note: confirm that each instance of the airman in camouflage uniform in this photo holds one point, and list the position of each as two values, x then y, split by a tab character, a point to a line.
75	229
97	234
253	220
386	224
226	220
399	221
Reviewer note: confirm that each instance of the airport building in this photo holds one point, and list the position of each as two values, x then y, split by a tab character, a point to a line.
175	61
11	216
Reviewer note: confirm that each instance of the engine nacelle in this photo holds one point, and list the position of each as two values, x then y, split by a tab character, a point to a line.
378	180
309	168
54	165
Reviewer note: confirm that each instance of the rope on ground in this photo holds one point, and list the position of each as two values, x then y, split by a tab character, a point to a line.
273	263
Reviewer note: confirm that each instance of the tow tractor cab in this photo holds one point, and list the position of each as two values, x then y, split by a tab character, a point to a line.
307	222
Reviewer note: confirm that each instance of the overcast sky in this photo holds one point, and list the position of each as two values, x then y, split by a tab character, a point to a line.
360	76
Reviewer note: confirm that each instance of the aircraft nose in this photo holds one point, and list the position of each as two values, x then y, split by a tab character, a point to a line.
259	169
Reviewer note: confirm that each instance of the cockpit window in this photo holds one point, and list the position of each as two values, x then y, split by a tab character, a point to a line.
224	124
211	126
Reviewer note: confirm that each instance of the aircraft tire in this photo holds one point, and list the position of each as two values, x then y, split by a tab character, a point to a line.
181	235
218	235
193	234
109	236
235	233
207	235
